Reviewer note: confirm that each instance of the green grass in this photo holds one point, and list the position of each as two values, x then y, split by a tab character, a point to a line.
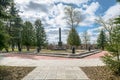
45	51
60	51
16	50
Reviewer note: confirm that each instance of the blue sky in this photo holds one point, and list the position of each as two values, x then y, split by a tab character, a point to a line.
51	12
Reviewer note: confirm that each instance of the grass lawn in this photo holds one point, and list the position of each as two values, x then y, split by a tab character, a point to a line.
47	51
100	73
61	51
16	50
14	73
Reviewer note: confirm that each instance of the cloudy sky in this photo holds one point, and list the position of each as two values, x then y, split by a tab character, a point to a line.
51	12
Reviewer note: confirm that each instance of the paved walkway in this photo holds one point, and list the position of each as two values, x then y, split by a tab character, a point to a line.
51	68
53	73
98	55
9	61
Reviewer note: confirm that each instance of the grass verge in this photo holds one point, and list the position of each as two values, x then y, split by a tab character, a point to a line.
14	73
100	73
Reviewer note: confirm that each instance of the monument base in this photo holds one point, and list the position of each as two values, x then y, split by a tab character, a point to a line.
60	44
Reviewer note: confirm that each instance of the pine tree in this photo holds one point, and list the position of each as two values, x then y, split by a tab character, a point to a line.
28	35
4	37
101	41
73	38
113	60
15	28
40	35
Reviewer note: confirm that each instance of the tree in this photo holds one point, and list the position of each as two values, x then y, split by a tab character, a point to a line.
86	39
73	18
113	60
40	35
28	35
4	37
118	0
101	41
107	25
4	5
73	38
113	46
115	39
15	28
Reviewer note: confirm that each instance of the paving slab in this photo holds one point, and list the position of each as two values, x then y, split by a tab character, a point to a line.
54	73
34	63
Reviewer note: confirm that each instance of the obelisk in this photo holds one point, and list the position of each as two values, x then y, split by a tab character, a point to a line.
60	42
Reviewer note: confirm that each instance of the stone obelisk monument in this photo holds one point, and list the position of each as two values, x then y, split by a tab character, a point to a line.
60	42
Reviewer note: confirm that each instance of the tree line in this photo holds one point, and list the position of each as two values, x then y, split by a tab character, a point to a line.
14	32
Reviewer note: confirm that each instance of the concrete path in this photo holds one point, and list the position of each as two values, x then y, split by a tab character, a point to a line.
10	61
64	69
55	73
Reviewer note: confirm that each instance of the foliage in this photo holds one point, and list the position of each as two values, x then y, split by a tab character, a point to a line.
40	34
15	28
3	40
4	37
4	4
118	0
73	38
113	62
28	35
101	41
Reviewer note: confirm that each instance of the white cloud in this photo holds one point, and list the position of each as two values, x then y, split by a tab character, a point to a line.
92	8
77	2
112	12
52	14
89	14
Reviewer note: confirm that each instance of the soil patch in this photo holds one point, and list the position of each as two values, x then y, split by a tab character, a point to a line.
100	73
14	73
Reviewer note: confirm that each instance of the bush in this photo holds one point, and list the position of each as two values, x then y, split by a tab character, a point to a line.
112	63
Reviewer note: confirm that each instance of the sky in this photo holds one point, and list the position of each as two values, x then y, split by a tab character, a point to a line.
51	13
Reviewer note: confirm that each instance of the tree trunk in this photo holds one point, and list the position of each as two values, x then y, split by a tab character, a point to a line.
12	46
38	49
118	56
27	47
102	47
19	47
6	49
